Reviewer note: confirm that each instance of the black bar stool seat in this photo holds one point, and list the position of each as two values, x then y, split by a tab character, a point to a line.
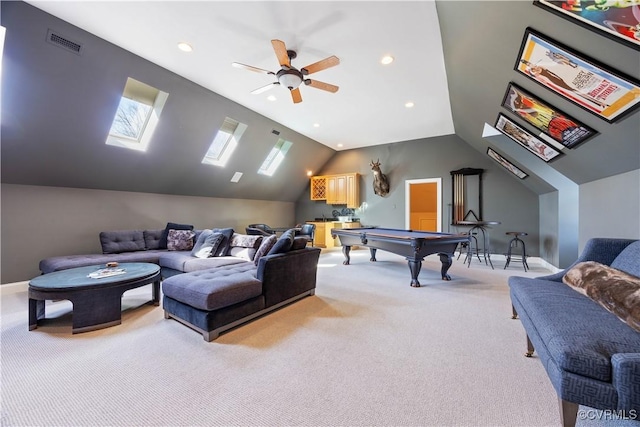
515	243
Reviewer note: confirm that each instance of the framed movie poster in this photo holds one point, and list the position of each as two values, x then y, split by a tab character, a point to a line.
619	20
525	139
608	94
549	120
506	164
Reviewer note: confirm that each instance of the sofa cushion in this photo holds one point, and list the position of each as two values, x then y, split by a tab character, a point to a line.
171	226
152	238
207	244
299	243
613	289
214	288
180	240
183	261
64	262
629	259
225	245
580	336
114	242
245	253
283	244
265	247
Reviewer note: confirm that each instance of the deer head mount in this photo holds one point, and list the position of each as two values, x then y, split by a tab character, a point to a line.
380	180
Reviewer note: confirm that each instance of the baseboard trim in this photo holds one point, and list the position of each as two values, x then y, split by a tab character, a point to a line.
12	288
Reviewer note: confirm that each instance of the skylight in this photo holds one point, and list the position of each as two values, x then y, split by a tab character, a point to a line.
137	116
275	157
225	141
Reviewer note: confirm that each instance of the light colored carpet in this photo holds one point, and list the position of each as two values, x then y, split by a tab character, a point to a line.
366	350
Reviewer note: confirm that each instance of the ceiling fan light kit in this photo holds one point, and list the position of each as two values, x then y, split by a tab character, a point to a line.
289	76
290	79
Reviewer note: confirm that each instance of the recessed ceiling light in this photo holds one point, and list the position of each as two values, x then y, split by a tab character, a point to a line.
316	125
271	98
185	47
339	145
386	60
409	104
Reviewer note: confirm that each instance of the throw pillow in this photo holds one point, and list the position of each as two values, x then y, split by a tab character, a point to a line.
299	243
180	240
245	241
225	245
283	244
207	244
615	290
265	247
165	233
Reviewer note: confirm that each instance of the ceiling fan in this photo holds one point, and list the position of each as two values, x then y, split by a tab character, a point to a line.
289	76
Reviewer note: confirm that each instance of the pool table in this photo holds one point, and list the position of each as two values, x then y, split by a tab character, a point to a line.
414	245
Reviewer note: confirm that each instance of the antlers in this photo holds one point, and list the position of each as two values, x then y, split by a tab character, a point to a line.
375	164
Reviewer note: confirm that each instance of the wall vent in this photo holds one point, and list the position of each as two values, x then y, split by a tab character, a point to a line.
56	39
275	132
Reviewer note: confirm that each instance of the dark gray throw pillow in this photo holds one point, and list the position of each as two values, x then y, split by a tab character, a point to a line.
207	244
283	244
225	245
171	226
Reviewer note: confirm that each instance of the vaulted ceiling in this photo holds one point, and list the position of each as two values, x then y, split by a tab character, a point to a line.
453	60
369	107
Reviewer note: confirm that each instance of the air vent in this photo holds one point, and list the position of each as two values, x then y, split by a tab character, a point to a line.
56	39
275	132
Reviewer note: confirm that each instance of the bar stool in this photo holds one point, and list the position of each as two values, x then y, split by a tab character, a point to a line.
469	247
514	244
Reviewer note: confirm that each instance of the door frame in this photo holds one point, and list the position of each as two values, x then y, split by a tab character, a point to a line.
407	195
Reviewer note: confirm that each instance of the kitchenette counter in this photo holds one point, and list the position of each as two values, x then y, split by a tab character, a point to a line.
323	237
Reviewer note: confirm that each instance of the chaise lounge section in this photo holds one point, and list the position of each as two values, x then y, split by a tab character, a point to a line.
214	300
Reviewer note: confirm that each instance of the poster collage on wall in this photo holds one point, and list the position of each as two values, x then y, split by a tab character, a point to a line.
601	90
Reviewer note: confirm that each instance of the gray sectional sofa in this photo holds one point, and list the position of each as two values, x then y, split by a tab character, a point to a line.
591	353
244	277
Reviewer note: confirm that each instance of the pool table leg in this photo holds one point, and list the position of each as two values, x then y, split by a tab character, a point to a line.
373	254
414	267
446	260
345	251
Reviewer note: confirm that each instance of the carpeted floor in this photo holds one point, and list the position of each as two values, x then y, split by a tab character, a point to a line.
366	350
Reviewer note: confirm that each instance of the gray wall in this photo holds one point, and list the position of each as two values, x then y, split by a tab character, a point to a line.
39	222
505	199
610	207
549	224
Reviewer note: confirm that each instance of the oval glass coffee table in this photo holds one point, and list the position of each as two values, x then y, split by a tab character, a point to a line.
97	301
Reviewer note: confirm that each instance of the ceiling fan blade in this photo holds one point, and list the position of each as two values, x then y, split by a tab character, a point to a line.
321	85
281	52
251	68
331	61
295	94
264	88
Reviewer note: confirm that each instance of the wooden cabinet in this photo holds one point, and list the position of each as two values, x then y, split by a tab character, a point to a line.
353	190
343	189
318	188
337	190
322	237
351	225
